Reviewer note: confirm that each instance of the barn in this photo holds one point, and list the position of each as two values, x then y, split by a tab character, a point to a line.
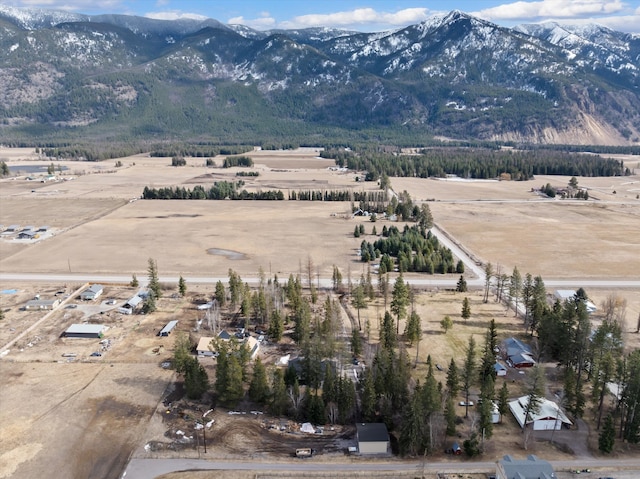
373	438
85	331
549	416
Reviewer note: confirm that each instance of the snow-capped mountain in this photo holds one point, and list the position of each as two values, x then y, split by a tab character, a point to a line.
453	74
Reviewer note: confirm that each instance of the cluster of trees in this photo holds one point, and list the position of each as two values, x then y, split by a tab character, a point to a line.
178	161
231	161
220	190
480	163
200	150
413	250
586	356
4	169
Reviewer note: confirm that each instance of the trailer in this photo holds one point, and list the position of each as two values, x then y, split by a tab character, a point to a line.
304	452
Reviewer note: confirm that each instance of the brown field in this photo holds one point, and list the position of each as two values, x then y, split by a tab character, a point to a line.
100	410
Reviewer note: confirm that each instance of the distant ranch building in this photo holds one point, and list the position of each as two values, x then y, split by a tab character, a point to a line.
92	292
42	304
85	331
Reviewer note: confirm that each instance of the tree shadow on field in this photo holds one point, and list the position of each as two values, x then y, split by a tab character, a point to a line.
433	331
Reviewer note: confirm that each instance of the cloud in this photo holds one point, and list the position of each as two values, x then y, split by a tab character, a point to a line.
264	22
174	15
359	17
531	11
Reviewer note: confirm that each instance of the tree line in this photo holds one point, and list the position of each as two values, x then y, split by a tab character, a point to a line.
478	163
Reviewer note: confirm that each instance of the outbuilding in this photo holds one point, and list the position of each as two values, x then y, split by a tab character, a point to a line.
499	369
548	417
166	331
42	304
85	331
373	438
92	292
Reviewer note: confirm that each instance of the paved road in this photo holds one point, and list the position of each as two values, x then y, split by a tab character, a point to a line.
152	468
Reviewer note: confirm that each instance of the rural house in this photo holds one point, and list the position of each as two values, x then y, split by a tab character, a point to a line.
549	416
373	438
41	304
518	354
529	468
202	349
92	292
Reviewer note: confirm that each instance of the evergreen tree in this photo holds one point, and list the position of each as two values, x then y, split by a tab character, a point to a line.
461	286
411	432
607	438
182	286
134	281
149	305
279	394
368	397
467	372
413	328
276	326
488	275
466	309
358	301
356	343
450	416
503	400
220	294
154	283
259	386
196	380
453	379
515	288
399	301
388	338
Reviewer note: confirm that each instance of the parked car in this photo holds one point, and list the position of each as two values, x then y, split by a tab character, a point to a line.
462	403
96	354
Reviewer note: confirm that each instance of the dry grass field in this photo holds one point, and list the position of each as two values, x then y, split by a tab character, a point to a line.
99	410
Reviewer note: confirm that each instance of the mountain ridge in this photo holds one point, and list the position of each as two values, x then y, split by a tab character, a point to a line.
121	77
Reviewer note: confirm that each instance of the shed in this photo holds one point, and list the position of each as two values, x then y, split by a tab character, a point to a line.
224	336
373	438
499	369
170	326
253	345
529	468
92	292
203	349
133	303
27	234
85	331
42	304
549	416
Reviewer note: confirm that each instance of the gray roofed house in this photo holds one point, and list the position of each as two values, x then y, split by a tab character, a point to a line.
373	438
92	292
41	304
529	468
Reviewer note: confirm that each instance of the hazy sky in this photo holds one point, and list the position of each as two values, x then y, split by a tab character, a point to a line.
363	15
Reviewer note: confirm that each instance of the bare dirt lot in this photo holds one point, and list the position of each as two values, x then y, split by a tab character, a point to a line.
83	415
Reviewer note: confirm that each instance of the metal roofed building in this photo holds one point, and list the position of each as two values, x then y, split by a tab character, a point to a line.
529	468
373	438
203	347
548	417
85	331
92	292
41	304
166	331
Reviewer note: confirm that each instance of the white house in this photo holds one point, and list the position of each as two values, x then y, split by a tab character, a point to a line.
548	417
41	304
92	292
203	347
